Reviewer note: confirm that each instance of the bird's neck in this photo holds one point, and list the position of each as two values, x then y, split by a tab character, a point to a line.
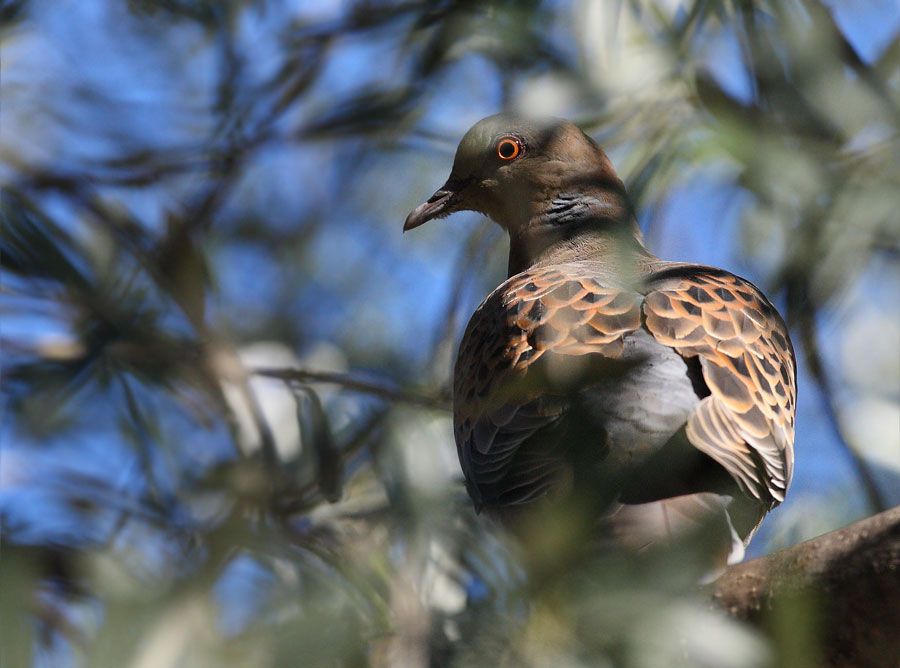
576	228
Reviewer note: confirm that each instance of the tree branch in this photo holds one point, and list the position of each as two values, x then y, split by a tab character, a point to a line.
849	582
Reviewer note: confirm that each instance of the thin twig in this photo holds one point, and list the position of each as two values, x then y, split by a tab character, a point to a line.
803	316
145	446
290	375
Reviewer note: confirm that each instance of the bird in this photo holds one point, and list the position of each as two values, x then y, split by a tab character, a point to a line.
663	391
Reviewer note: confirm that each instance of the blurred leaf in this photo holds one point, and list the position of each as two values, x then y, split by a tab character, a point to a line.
33	246
315	434
11	12
184	267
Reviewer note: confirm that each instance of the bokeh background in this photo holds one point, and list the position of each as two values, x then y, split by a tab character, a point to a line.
197	191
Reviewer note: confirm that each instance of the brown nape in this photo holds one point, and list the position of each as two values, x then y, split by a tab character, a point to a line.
595	224
618	248
577	207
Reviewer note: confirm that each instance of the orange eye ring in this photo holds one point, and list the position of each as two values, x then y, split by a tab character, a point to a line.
508	148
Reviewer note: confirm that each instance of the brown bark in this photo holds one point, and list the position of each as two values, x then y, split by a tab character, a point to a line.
844	586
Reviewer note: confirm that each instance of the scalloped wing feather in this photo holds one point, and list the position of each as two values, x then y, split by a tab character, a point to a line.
496	408
747	422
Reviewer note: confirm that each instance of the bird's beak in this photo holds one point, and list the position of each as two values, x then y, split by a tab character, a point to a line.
442	203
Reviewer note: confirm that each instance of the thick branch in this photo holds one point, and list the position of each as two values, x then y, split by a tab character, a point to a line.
847	582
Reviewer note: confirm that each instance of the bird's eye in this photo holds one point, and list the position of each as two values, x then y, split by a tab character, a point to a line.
508	148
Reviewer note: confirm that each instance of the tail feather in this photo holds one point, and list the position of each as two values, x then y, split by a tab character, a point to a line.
665	523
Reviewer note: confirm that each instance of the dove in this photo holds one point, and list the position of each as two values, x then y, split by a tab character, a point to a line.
663	391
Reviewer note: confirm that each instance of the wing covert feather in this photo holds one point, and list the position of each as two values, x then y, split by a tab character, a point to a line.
747	422
497	406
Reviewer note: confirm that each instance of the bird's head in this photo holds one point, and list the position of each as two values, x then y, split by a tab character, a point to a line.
529	176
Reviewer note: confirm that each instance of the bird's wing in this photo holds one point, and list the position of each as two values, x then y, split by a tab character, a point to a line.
502	396
747	422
